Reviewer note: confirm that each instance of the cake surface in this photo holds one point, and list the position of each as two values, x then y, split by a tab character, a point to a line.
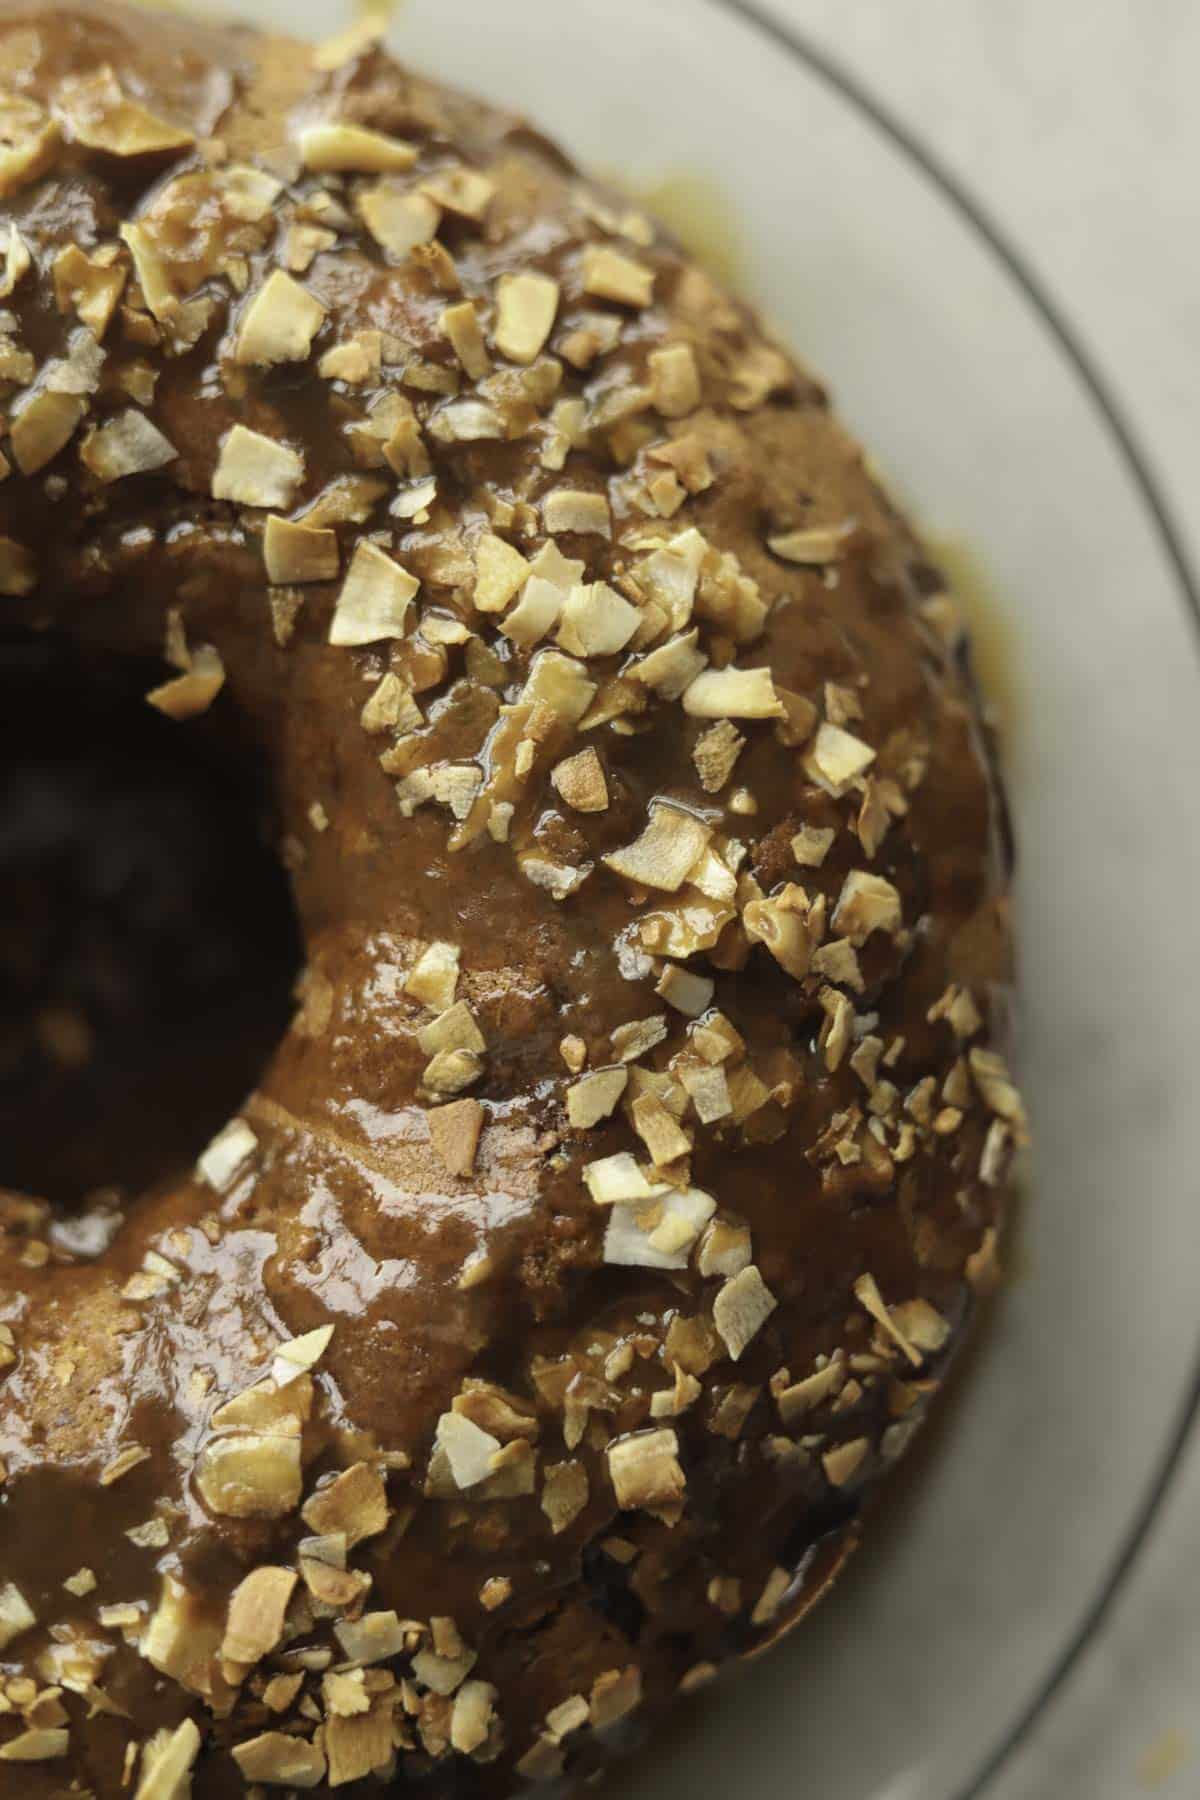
608	1217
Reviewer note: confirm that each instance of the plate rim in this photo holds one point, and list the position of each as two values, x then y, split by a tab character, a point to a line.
1022	276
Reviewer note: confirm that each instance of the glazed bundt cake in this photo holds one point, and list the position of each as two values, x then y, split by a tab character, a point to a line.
606	1213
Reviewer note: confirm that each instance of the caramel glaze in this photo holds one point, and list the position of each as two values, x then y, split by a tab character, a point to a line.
345	1215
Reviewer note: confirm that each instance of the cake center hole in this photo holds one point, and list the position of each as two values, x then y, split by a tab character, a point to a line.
148	943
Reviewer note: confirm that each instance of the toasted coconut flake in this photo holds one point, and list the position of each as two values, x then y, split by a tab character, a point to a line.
348	45
337	147
46	421
99	115
811	845
842	1463
577	510
461	325
233	1146
297	553
609	275
297	1355
29	140
579	781
645	1469
18	568
398	221
250	1475
254	470
687	992
922	1325
836	759
660	1236
662	856
535	614
715	753
38	1745
278	1760
800	1398
596	621
675	380
867	903
526	307
614	1179
741	1309
17	262
733	693
500	573
659	1130
188	695
454	1133
354	1506
998	1090
167	1762
129	444
471	1720
375	599
815	546
434	978
357	361
564	1494
594	1096
280	322
254	1622
454	1029
16	1614
373	1638
443	1674
468	1449
467	192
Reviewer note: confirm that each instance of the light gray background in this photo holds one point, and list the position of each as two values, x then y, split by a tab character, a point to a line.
1076	122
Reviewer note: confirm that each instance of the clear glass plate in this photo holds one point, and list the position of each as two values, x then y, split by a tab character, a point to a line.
1005	1537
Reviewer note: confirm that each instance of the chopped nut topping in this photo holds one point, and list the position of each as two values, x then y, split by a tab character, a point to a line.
609	275
338	147
280	322
454	1133
526	307
398	221
374	600
579	781
732	693
741	1309
256	471
298	553
665	852
645	1470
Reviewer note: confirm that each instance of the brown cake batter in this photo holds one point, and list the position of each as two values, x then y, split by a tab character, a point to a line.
607	1217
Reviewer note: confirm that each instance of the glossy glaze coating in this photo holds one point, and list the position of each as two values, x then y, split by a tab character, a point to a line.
860	1142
